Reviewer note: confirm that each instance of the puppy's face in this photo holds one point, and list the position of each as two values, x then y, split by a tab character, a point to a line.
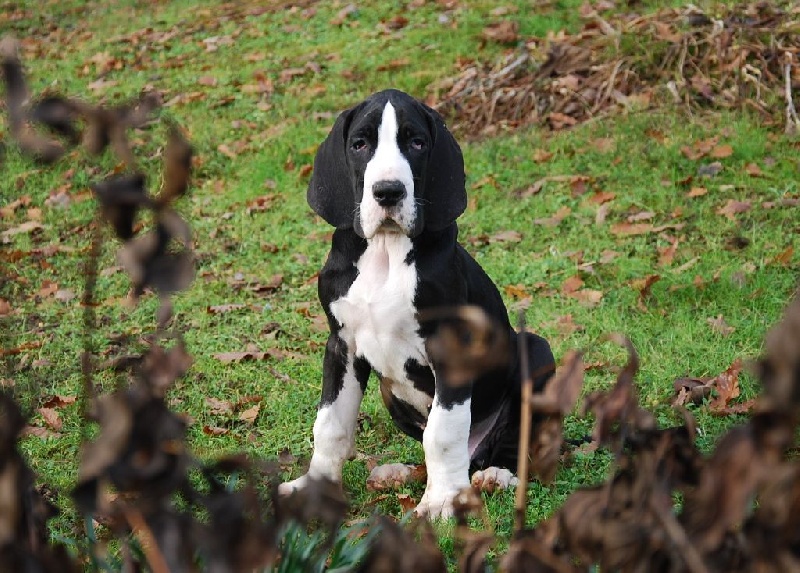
388	147
389	165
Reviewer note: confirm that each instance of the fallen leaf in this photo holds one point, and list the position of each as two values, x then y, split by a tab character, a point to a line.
571	285
631	229
343	14
601	197
734	207
709	169
48	288
587	297
506	237
396	22
249	416
214	430
219	407
667	254
540	155
40	432
726	386
719	325
26	227
223	308
64	295
753	170
504	32
5	308
59	401
643	216
556	219
783	258
721	151
406	502
697	192
51	418
517	291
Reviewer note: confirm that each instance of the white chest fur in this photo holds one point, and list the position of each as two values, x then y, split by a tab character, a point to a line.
377	315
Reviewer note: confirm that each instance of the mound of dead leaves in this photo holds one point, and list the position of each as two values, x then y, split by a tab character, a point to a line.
742	56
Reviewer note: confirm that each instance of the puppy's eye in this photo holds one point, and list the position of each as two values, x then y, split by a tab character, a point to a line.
359	144
417	143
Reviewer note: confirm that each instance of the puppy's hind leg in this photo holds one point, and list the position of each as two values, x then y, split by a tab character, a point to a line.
344	381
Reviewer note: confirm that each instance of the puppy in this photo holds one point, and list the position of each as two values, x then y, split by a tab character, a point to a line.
390	178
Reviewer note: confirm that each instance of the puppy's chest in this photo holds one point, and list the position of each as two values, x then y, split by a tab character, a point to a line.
377	314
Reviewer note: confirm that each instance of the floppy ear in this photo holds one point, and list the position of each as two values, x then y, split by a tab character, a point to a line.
445	190
330	192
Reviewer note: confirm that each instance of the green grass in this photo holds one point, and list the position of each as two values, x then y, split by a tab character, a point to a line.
274	137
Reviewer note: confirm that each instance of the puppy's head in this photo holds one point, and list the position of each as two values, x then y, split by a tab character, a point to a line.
388	165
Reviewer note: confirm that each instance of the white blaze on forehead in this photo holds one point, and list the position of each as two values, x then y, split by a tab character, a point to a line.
387	164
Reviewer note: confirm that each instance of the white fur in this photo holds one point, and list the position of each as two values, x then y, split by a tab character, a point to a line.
334	435
493	478
387	164
377	316
446	457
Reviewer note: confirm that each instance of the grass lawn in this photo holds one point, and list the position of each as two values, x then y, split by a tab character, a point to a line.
257	86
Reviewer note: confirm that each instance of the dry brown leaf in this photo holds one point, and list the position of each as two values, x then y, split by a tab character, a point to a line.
223	308
719	325
697	192
631	229
406	502
721	151
753	170
587	297
219	406
727	387
214	430
667	254
734	207
504	32
506	237
601	197
51	418
571	285
249	416
5	307
556	219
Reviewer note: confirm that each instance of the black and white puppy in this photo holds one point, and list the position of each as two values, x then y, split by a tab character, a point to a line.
390	178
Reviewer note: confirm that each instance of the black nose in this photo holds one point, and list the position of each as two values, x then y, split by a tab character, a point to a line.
388	193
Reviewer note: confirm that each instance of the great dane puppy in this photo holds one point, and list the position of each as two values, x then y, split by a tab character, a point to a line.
390	178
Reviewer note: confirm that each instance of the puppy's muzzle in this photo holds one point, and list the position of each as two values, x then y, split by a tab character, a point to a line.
388	193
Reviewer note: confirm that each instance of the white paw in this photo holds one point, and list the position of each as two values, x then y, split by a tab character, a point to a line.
289	487
392	476
436	504
493	478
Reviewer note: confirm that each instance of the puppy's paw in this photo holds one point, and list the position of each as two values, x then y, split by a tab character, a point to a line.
436	504
289	487
392	476
435	507
493	478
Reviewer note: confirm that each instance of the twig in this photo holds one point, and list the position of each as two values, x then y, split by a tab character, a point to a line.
151	550
792	121
89	325
687	551
524	428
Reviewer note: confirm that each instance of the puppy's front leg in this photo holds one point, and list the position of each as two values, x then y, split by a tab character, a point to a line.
344	380
445	442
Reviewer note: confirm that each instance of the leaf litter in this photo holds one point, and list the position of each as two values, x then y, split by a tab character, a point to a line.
741	56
